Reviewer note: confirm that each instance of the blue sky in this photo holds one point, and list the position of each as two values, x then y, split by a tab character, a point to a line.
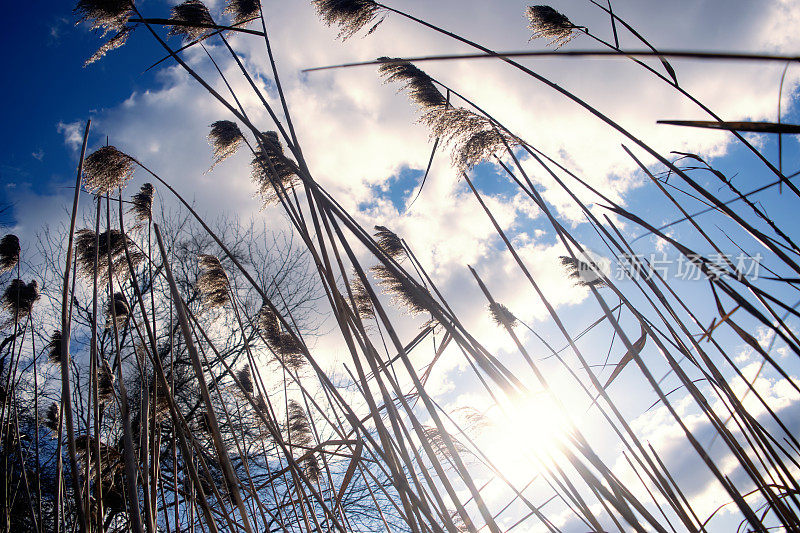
365	146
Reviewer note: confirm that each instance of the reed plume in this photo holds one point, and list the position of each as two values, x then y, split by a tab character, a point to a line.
473	137
54	348
19	297
142	209
389	242
410	295
9	252
271	169
117	306
286	347
116	41
212	282
364	306
106	169
547	23
243	10
585	274
501	315
349	15
437	441
106	15
105	382
300	435
85	250
245	379
50	419
416	83
192	16
225	138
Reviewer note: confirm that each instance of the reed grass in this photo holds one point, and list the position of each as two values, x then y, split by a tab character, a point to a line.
202	402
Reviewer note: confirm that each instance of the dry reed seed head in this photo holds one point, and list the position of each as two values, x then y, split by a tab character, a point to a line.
364	306
245	380
473	137
51	419
585	274
117	306
298	425
85	254
243	10
389	242
19	297
9	252
501	315
546	22
437	441
288	348
117	41
54	347
142	208
478	147
404	292
193	14
419	86
271	169
225	138
105	382
212	282
108	15
106	169
267	321
349	15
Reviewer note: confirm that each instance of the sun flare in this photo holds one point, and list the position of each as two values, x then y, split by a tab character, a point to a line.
528	437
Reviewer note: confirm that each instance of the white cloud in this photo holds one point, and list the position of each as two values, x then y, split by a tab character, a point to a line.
71	131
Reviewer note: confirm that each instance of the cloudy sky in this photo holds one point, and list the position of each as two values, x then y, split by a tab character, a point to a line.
365	146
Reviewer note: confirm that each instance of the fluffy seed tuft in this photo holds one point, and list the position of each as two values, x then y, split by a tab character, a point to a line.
142	208
502	316
191	16
19	297
546	22
349	15
389	242
225	138
106	15
9	252
404	292
85	249
106	169
243	10
419	86
54	348
585	274
212	282
271	169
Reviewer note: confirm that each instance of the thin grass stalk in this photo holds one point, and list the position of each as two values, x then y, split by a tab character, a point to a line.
66	393
174	412
94	399
230	476
400	482
134	513
720	426
426	399
745	459
614	125
777	171
559	323
371	354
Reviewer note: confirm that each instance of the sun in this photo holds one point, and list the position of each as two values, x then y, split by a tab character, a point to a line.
527	437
